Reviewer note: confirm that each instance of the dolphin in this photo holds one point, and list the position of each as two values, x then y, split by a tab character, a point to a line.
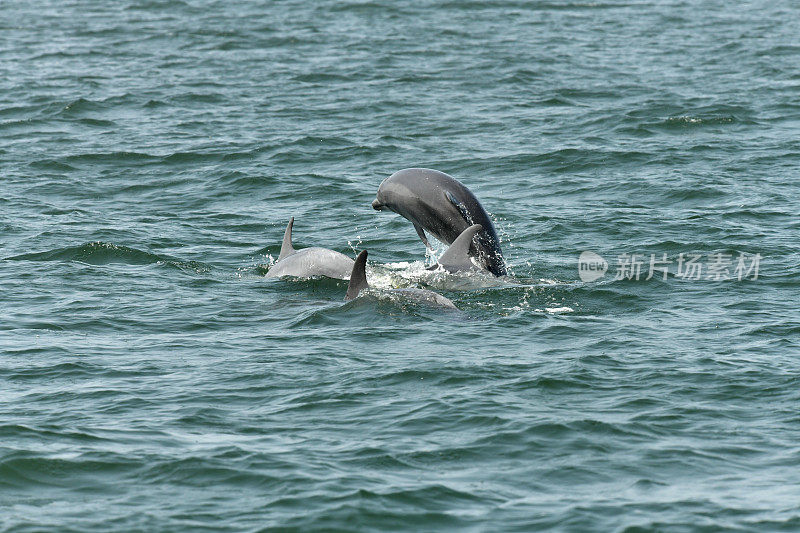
439	203
309	262
358	282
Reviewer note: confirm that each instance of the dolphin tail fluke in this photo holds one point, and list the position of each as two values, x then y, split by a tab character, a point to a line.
358	279
287	248
457	256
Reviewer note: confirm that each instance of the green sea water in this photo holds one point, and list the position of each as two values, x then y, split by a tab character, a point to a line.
153	379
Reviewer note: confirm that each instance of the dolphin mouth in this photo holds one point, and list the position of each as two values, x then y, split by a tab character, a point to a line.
377	206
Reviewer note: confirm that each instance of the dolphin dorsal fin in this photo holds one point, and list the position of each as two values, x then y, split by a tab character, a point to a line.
457	256
287	248
358	278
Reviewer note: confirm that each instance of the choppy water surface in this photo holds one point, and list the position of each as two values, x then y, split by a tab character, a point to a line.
152	378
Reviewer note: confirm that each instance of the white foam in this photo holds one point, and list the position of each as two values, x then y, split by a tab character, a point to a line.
555	310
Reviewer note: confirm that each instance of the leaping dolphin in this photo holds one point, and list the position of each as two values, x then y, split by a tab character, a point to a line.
439	203
309	262
358	282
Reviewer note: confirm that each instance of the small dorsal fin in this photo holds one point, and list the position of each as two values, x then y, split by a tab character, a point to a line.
457	256
287	248
358	278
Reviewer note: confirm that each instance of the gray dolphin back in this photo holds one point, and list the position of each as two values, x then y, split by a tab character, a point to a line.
309	262
313	262
358	278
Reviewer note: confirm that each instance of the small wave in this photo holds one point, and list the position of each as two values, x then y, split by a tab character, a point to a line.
365	7
236	179
51	164
315	141
322	77
111	157
201	98
200	471
101	253
16	111
192	157
81	105
73	369
523	75
780	50
568	159
15	431
537	6
22	123
696	193
689	120
156	4
415	78
96	122
26	469
155	103
233	45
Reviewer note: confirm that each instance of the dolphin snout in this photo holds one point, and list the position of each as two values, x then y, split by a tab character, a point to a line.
376	205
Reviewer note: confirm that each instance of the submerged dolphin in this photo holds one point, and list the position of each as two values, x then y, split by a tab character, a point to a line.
309	262
358	282
436	202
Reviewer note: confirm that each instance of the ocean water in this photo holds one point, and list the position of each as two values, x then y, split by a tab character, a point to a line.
152	378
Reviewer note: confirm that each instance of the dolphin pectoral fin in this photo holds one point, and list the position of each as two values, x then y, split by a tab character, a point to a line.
457	256
421	233
460	206
358	278
286	247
